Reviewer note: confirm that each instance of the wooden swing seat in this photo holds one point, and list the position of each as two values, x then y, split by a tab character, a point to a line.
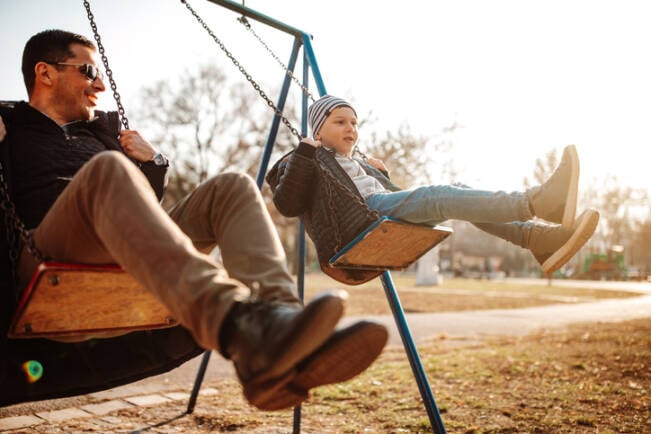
389	244
77	301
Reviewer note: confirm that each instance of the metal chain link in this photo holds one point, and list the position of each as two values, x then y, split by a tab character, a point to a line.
14	225
255	85
321	166
8	211
331	216
109	73
247	25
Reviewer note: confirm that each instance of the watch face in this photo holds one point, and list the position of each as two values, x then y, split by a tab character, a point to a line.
160	160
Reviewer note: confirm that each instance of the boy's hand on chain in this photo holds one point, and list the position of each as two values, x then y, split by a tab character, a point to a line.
311	141
377	163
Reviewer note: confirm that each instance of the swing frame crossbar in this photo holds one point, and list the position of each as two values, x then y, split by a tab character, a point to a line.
303	39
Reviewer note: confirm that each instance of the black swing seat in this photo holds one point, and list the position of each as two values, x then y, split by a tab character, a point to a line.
389	244
77	302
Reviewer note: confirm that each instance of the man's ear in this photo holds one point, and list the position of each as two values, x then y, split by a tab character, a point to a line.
43	73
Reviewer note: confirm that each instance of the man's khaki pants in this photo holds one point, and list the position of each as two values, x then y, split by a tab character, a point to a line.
109	214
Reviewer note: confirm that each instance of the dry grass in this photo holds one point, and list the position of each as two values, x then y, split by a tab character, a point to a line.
593	378
588	379
455	294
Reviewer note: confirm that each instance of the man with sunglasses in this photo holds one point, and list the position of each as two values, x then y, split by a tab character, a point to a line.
91	193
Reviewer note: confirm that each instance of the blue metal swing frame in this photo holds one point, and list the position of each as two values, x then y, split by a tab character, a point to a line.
302	39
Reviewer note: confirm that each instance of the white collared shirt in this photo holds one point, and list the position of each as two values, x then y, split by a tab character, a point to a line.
366	184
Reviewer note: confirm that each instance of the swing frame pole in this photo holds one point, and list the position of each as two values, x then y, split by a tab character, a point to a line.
412	354
309	63
300	242
300	35
300	39
265	19
273	131
316	73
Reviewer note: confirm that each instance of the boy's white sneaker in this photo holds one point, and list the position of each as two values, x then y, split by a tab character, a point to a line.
554	245
555	200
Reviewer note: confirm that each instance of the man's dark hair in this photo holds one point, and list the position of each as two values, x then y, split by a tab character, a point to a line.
49	46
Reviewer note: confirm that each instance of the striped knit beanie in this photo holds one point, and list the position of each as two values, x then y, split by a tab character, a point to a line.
319	111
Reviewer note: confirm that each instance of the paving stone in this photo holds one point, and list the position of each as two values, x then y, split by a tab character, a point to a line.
177	396
146	400
16	422
63	414
106	407
137	388
112	420
208	391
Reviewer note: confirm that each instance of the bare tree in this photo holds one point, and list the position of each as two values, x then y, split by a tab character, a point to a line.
543	169
624	211
413	159
640	247
207	125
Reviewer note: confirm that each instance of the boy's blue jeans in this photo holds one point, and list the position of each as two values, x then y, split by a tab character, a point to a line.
505	215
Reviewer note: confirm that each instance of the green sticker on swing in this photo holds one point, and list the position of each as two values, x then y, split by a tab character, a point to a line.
33	370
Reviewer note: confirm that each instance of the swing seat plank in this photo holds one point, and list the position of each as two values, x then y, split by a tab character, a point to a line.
389	244
79	301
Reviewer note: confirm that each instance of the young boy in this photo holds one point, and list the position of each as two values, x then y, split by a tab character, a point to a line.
310	181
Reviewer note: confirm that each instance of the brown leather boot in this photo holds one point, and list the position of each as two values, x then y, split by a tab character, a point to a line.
266	340
555	200
347	353
554	245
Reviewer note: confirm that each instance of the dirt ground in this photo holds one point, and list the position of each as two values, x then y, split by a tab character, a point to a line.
592	378
588	378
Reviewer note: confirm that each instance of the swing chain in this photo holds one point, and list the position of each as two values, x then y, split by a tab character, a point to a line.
14	225
321	166
339	186
291	75
248	26
109	72
255	85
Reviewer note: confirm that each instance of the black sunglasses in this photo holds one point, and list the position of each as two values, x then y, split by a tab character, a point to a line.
91	72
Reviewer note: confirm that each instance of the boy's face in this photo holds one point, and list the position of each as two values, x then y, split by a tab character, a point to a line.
339	131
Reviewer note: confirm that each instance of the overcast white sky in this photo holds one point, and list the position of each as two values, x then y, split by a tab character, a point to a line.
522	77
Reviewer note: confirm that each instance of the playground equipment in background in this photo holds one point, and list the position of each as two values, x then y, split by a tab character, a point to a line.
605	266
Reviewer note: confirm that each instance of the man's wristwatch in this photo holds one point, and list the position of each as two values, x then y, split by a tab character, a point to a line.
160	159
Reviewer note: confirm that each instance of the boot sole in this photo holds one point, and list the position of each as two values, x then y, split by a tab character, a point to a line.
584	228
569	213
341	358
314	327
